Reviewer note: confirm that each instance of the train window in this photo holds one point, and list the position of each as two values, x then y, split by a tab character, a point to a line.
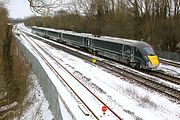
114	47
137	53
127	49
149	51
52	33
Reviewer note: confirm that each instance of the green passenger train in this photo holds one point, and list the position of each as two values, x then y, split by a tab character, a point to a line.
137	54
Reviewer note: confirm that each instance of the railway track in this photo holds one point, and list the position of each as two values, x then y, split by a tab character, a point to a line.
116	116
145	79
169	62
148	81
165	76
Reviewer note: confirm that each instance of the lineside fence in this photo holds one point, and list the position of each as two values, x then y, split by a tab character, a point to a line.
48	87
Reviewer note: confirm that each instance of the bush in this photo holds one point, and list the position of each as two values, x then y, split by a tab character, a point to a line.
13	70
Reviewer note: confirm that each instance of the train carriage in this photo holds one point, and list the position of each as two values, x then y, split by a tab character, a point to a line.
74	39
135	53
105	48
125	51
53	35
39	31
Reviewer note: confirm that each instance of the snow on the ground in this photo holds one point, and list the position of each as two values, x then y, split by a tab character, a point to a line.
130	100
36	106
36	103
66	98
138	102
174	71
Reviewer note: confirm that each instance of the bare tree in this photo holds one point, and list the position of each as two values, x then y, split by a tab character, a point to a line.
44	7
176	7
3	2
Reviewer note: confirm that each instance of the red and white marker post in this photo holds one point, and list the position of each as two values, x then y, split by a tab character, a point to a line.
104	109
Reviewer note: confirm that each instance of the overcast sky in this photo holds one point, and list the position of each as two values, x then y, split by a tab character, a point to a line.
19	9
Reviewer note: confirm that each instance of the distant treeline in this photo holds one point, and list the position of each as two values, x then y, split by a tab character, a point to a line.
154	21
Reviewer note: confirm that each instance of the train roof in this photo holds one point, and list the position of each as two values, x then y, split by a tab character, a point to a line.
135	43
129	42
48	29
74	33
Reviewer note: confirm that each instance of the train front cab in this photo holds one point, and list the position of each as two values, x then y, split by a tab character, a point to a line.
145	58
148	59
153	61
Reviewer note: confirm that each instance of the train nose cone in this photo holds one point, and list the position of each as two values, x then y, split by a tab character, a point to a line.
154	61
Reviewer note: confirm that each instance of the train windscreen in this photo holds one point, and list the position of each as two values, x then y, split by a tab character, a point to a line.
149	51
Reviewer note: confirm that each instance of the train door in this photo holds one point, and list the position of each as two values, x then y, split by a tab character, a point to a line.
88	44
126	53
123	54
89	41
85	42
58	37
132	54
